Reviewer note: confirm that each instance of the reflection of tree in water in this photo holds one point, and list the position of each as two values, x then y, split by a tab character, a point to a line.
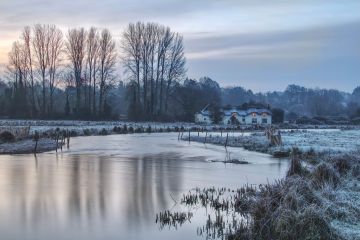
45	188
154	177
83	188
88	187
31	199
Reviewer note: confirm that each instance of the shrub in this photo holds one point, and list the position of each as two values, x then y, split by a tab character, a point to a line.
103	132
7	136
131	130
125	129
148	129
116	129
139	130
87	132
73	133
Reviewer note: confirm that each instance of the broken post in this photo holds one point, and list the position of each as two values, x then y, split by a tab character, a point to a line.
68	139
226	141
36	139
57	141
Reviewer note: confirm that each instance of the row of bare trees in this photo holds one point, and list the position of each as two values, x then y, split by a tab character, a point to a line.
83	63
43	60
154	59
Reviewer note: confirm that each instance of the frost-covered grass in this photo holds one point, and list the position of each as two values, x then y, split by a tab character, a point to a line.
314	201
320	196
327	141
335	141
80	128
93	126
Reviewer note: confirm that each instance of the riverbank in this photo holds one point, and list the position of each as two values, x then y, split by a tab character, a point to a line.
319	198
211	133
307	140
78	127
28	146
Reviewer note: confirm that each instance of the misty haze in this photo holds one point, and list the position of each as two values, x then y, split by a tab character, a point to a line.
179	119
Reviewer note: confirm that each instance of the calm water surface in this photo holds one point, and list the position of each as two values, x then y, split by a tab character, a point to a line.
111	187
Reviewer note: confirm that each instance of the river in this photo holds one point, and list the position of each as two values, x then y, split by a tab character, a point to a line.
112	187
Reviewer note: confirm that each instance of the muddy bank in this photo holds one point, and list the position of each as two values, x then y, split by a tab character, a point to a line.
28	146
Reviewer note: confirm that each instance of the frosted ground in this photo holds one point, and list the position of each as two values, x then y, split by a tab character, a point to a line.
323	140
79	126
319	140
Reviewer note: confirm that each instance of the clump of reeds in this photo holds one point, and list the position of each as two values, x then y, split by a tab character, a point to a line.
342	163
324	173
309	223
300	206
296	167
172	219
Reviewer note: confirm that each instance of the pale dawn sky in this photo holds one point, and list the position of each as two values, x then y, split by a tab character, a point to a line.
261	45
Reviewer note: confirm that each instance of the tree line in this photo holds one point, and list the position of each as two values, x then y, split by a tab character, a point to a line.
88	74
154	58
83	64
45	60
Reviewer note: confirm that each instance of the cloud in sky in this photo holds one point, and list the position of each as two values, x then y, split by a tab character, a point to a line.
260	44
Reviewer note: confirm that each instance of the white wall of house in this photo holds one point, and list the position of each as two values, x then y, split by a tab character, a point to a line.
199	118
249	119
261	119
227	119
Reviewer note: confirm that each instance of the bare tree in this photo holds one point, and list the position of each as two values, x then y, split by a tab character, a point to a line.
154	59
75	47
26	36
68	79
18	73
107	62
176	65
41	47
131	45
92	50
55	37
165	41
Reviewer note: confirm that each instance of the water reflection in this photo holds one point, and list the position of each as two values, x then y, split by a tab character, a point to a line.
115	191
153	177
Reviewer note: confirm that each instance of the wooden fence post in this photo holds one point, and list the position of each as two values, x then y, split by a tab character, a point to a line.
226	141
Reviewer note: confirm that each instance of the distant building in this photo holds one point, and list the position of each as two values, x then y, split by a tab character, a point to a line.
235	116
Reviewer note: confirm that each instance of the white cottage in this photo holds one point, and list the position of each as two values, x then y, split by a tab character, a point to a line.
235	116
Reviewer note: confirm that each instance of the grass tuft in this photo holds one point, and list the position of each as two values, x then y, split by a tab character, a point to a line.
323	174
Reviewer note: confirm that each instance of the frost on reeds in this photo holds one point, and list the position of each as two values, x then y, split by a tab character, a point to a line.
173	219
316	200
